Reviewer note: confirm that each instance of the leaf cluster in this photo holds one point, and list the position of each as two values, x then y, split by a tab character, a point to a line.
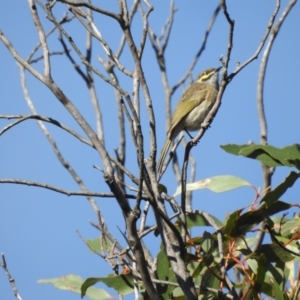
255	269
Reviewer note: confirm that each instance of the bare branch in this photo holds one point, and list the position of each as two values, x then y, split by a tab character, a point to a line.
84	61
63	191
93	30
130	17
159	50
230	35
145	28
91	86
65	19
52	53
75	65
121	151
43	39
92	7
22	118
109	177
144	216
129	217
168	26
89	80
10	279
18	58
267	171
53	144
262	71
145	89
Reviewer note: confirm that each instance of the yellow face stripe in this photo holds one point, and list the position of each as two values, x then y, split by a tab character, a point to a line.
207	76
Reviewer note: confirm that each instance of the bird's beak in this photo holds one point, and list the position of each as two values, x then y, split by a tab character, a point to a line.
218	69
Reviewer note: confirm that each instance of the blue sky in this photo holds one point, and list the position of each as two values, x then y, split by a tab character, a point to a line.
37	226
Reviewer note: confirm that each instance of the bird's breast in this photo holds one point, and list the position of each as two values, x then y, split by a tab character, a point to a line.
194	119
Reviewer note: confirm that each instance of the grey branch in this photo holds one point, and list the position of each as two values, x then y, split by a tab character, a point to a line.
63	191
11	280
22	118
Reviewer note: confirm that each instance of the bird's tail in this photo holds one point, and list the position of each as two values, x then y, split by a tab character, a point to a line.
163	154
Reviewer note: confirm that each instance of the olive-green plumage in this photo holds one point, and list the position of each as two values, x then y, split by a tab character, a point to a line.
192	108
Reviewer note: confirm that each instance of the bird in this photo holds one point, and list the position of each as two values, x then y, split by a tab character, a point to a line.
192	108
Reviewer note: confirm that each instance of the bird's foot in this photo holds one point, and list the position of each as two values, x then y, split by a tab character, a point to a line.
188	134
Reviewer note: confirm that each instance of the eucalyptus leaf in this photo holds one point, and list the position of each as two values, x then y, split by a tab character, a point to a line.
73	283
217	184
267	154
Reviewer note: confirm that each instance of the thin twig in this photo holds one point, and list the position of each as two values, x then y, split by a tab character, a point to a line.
52	53
63	191
130	17
92	7
11	280
42	38
145	29
22	118
95	32
64	19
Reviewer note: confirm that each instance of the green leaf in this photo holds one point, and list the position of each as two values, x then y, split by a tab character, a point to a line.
96	245
230	224
73	283
275	253
289	270
217	184
271	274
277	290
123	284
207	241
239	224
210	280
163	265
162	188
295	162
178	294
200	267
288	227
233	148
196	220
275	194
269	155
166	273
261	272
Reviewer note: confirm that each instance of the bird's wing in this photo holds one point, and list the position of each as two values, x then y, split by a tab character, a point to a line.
190	99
